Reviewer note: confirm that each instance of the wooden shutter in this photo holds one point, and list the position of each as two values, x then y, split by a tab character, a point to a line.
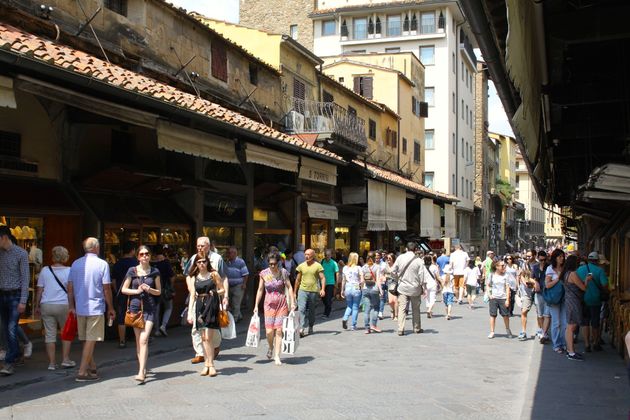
357	85
368	85
388	135
394	139
299	90
424	109
219	61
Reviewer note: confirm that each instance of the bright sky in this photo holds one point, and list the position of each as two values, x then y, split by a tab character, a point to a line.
216	9
496	115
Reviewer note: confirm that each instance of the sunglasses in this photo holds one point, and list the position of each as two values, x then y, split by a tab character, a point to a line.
143	254
272	264
202	262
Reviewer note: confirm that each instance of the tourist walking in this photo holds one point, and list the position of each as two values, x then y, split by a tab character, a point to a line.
543	315
432	285
371	293
448	290
165	300
498	293
511	269
351	283
51	302
205	287
557	311
310	283
331	273
237	275
380	260
409	270
472	276
526	287
574	303
279	296
89	294
142	286
590	325
388	279
459	261
119	270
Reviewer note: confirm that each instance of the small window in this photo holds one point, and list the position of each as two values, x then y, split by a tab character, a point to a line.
10	144
341	80
293	32
404	146
454	103
429	93
471	119
427	55
428	179
427	23
219	61
462	109
352	111
454	143
462	147
372	129
328	97
416	152
453	185
299	89
363	86
253	74
393	25
392	50
329	27
359	28
116	6
394	141
428	140
454	63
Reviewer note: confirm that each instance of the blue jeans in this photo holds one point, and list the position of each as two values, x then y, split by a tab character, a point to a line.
384	298
10	318
306	306
353	299
558	325
371	301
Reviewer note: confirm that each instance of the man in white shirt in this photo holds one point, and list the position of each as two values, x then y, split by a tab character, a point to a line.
459	261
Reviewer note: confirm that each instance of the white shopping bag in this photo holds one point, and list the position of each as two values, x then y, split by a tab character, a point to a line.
229	332
253	332
291	333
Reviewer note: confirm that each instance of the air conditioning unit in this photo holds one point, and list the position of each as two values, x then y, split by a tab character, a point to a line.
295	122
322	124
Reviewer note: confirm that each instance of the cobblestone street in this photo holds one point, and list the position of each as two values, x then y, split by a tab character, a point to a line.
450	371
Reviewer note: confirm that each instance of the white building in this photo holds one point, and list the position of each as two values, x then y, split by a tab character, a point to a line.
531	230
437	33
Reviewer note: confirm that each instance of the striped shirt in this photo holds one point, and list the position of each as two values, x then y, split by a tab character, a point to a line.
14	272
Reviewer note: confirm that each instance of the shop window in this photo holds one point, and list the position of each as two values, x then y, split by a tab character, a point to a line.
116	6
342	240
372	129
364	86
219	61
253	74
10	144
329	27
123	148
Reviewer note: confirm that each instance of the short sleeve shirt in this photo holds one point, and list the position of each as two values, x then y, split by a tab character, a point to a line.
592	295
89	275
236	270
310	276
441	262
352	275
53	294
330	269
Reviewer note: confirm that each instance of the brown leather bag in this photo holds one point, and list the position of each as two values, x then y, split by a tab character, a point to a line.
135	320
224	320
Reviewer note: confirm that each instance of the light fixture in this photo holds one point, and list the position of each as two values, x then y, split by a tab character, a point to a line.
556	142
45	11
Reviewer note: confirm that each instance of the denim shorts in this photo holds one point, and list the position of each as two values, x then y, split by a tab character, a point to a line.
448	298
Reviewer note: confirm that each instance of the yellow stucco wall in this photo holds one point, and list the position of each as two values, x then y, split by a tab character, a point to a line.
507	157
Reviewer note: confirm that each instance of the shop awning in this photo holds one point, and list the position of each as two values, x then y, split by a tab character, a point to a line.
317	171
396	206
377	197
426	218
321	211
179	138
272	158
450	225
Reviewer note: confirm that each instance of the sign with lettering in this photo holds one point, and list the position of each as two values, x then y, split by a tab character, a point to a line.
317	171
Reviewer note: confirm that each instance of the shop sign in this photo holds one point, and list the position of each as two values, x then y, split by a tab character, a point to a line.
317	171
224	209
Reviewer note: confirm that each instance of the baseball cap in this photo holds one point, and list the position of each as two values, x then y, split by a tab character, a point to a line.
593	256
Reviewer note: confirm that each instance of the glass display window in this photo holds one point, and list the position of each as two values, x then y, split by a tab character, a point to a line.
319	236
342	240
225	236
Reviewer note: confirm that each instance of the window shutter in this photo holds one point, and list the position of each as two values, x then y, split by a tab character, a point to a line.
328	97
424	110
299	90
368	84
219	61
394	139
357	85
388	135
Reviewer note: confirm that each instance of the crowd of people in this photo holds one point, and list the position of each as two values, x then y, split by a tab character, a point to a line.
568	293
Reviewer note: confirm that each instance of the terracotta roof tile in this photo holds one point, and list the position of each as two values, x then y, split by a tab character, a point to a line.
19	42
387	175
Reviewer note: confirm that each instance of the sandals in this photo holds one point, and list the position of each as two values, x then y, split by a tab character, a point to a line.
140	379
270	353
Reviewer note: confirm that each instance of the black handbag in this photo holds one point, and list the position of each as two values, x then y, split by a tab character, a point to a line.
393	286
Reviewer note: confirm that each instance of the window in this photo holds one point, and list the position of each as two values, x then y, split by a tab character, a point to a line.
462	192
341	80
466	114
219	61
414	22
359	30
454	144
428	179
462	109
454	103
462	70
428	139
427	23
471	152
454	63
372	129
406	23
394	140
299	89
116	6
352	111
10	144
404	146
357	51
253	74
293	32
328	97
414	105
329	27
363	86
471	119
429	92
392	50
462	147
453	184
467	155
416	152
344	29
393	25
427	55
517	165
378	25
518	181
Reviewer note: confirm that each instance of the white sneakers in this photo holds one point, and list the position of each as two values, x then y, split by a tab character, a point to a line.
28	350
3	354
491	335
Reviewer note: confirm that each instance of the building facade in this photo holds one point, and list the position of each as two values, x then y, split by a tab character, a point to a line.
531	229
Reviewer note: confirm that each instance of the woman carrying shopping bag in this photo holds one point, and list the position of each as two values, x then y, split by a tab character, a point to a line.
277	286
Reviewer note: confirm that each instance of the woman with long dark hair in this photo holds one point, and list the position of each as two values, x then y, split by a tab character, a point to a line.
574	303
558	313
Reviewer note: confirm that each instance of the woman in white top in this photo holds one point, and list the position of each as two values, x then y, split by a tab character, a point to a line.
372	292
471	276
498	292
512	271
352	281
431	286
558	315
51	302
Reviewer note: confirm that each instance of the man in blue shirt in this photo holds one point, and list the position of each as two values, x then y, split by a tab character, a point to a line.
237	274
542	311
331	272
442	260
119	271
592	300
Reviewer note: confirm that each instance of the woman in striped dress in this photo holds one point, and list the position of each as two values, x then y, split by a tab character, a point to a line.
277	286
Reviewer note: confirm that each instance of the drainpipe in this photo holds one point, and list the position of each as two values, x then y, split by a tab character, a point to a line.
542	53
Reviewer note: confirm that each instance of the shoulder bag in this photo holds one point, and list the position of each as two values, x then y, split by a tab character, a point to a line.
57	279
135	320
393	286
604	293
554	295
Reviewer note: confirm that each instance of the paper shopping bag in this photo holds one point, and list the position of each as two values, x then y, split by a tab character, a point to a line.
229	332
253	332
291	333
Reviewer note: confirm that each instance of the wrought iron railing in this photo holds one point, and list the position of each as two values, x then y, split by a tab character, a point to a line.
467	46
306	116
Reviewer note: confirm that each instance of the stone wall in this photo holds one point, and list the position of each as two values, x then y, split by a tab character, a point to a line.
278	15
481	231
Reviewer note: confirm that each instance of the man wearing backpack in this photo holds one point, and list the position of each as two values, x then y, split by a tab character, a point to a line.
596	292
409	269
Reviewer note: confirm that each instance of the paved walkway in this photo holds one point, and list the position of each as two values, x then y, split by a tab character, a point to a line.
450	371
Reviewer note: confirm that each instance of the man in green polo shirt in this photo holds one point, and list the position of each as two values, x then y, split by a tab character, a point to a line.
592	300
331	272
309	283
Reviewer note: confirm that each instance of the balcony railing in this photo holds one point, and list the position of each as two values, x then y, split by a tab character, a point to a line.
468	48
313	117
